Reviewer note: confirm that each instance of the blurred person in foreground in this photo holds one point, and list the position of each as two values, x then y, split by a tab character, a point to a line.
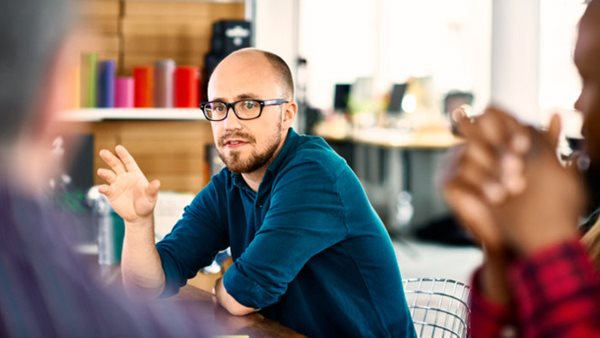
309	250
45	289
539	277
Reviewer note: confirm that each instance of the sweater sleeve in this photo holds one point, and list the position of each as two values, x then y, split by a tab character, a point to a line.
195	239
486	318
558	293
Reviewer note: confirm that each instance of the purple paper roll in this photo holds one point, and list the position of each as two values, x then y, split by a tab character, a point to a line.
124	92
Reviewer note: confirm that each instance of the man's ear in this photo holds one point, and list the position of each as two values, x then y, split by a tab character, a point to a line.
289	114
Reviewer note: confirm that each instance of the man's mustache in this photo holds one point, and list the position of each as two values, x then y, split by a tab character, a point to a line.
236	136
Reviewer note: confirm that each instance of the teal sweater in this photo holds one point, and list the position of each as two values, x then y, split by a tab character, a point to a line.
308	248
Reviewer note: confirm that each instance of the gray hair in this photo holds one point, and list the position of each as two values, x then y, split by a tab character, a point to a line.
30	34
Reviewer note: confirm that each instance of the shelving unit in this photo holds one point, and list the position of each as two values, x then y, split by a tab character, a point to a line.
127	31
168	144
163	114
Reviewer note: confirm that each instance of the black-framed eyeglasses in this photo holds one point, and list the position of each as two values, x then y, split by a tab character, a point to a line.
247	109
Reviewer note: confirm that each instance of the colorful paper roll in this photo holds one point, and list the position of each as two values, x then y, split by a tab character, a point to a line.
124	92
186	87
89	78
163	83
106	84
143	87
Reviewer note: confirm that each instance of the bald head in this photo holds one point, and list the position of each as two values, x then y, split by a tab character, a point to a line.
258	62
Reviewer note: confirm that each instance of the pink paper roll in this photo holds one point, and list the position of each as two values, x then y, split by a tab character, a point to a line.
124	92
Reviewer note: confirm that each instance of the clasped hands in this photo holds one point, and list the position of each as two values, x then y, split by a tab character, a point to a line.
507	187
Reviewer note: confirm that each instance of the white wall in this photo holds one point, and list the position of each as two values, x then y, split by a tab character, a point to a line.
338	38
515	57
559	81
527	66
275	28
394	39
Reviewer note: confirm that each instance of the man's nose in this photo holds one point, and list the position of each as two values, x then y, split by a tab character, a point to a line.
231	121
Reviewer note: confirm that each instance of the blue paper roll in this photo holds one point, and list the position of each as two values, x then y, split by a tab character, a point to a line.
106	84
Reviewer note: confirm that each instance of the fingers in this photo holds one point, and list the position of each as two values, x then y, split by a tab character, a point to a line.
126	158
458	116
108	175
482	156
121	164
512	169
153	188
481	181
553	133
474	214
104	189
114	162
502	131
496	143
496	129
480	167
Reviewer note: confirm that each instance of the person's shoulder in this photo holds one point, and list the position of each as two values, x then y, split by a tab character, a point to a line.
314	149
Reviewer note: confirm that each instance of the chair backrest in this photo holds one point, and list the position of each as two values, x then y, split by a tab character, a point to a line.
439	306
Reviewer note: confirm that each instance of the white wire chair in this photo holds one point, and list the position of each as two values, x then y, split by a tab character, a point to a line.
438	306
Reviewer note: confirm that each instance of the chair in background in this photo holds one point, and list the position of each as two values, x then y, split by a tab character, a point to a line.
438	306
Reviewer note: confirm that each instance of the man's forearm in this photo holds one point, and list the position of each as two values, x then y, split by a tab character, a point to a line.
140	264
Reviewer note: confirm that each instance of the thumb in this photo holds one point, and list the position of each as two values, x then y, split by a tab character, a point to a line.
152	189
459	120
553	132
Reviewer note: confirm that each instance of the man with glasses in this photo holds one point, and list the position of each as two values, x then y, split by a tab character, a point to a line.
309	250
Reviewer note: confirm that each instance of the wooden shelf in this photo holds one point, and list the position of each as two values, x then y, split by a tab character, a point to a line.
102	114
168	144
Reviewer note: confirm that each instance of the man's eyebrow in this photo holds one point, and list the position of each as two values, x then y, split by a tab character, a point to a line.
243	96
246	96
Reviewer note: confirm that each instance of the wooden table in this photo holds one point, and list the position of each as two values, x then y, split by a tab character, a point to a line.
200	301
252	325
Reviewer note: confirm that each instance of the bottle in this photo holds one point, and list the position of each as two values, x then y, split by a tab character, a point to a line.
110	228
105	235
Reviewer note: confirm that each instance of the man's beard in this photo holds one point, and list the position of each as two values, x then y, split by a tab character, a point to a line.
256	160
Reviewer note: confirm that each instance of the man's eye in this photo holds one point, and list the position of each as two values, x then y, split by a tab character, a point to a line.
249	105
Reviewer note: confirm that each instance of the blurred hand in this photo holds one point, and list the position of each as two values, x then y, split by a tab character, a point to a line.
546	212
484	171
507	186
128	191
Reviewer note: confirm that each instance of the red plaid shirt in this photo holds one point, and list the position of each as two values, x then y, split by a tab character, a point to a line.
556	293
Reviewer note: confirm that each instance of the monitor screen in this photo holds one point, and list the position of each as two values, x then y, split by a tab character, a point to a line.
396	97
341	95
